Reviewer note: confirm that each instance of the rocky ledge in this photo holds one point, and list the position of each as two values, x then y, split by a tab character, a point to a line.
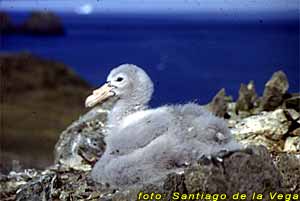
268	168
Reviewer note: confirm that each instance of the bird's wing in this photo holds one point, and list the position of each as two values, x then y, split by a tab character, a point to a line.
141	165
138	129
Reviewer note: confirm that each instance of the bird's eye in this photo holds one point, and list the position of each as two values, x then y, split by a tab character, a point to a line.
119	79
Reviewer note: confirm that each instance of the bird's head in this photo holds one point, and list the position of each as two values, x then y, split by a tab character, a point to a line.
126	82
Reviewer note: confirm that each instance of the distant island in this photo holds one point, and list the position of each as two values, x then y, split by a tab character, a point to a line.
38	23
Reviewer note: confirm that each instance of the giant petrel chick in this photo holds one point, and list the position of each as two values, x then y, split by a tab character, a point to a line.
143	144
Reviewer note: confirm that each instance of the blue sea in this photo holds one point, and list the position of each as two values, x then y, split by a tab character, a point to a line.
188	59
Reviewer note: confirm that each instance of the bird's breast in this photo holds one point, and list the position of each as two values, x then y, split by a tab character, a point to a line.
140	117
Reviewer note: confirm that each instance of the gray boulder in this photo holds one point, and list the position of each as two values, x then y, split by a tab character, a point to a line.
274	92
247	97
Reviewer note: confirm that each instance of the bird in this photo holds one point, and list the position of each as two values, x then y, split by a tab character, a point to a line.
144	144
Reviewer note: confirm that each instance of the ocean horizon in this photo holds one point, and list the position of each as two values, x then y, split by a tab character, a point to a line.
188	59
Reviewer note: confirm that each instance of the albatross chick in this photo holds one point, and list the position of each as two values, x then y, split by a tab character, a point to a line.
143	144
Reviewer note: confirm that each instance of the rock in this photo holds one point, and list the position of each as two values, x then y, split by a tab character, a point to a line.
11	183
274	92
247	97
246	171
250	170
270	144
289	167
82	143
272	125
218	105
57	185
293	102
273	130
6	25
292	144
296	132
294	117
43	23
292	114
234	117
37	189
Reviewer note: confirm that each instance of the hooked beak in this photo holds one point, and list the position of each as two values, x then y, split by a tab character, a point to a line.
100	95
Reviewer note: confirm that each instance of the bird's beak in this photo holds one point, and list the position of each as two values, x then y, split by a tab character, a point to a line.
99	95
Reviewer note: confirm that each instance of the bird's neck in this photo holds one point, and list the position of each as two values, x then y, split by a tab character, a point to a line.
122	109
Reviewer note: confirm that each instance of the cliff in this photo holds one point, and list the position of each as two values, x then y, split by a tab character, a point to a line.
39	98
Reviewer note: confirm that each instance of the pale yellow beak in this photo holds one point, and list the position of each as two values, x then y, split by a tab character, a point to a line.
99	95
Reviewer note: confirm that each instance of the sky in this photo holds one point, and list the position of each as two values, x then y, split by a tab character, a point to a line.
155	6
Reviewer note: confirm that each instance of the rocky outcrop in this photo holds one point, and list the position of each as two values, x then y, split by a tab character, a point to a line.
289	167
247	97
271	129
219	104
272	120
81	144
275	91
293	102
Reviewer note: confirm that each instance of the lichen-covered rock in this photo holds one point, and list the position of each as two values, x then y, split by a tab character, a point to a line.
273	125
44	23
296	132
274	130
274	92
37	189
293	102
292	144
11	183
218	105
246	171
266	142
82	143
289	167
247	97
59	185
292	114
